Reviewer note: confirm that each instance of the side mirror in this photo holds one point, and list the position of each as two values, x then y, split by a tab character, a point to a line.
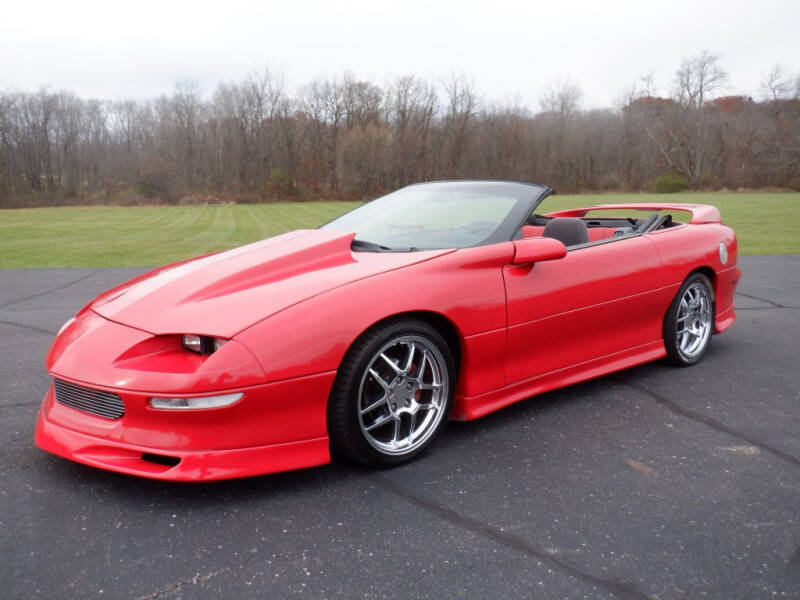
533	250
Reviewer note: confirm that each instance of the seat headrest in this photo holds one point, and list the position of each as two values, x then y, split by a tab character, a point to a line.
570	231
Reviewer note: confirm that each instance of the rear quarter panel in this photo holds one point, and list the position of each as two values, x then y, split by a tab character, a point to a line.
690	247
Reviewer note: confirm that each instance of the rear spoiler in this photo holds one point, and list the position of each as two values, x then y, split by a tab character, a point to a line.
701	213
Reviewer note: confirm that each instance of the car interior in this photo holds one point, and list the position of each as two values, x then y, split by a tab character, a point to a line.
575	232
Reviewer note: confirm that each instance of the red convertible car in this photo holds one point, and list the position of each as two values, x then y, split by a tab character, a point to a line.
361	338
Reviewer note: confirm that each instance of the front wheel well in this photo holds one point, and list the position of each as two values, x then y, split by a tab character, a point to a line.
439	322
348	437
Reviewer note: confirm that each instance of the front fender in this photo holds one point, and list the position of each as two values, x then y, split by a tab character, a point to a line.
465	286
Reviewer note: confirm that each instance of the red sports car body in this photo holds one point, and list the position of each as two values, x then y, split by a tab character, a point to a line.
226	365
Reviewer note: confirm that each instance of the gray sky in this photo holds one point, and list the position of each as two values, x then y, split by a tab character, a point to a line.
114	49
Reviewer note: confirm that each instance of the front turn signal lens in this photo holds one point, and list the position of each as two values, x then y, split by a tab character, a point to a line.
199	403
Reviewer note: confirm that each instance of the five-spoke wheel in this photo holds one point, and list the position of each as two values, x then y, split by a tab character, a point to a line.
392	393
689	322
401	396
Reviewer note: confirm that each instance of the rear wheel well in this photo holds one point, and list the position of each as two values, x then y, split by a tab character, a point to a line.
712	276
688	326
708	272
704	270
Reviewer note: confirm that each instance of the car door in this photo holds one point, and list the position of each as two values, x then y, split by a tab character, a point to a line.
598	300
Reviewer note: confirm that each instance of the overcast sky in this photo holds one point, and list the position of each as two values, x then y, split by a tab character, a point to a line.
139	49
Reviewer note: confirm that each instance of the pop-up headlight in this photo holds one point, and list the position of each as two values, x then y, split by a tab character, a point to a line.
202	344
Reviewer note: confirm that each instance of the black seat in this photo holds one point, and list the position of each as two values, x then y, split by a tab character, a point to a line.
570	231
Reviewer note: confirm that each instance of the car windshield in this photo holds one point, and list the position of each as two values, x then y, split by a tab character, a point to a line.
439	215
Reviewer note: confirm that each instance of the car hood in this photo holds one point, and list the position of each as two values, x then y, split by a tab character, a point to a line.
225	293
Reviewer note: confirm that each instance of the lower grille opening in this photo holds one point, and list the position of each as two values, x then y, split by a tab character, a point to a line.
160	459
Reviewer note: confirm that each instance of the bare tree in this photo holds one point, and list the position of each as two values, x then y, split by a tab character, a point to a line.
412	111
458	124
562	98
777	83
648	82
559	132
698	78
343	137
324	101
680	129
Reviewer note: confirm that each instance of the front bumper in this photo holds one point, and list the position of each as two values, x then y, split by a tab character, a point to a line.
206	465
276	427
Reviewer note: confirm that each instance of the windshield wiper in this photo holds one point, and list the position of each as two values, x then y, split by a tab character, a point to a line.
370	246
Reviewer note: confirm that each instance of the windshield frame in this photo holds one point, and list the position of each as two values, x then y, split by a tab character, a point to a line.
528	197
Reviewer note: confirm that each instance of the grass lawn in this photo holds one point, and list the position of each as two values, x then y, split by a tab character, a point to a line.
766	223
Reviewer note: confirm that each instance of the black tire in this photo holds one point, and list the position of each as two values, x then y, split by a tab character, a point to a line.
676	353
348	438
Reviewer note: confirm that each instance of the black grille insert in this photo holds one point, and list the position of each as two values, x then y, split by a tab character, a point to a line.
96	402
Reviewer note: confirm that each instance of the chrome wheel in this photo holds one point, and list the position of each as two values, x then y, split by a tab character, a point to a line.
694	320
403	395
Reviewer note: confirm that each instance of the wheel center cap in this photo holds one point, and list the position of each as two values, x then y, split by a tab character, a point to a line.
401	395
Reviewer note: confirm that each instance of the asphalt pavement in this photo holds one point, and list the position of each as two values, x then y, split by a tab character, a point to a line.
655	482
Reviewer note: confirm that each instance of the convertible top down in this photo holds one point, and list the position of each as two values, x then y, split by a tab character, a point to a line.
361	338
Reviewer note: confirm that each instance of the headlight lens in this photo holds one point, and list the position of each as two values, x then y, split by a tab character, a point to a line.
195	403
202	344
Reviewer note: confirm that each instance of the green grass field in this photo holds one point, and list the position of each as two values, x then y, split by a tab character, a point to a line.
766	223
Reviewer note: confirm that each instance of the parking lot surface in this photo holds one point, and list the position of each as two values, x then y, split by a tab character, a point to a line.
654	482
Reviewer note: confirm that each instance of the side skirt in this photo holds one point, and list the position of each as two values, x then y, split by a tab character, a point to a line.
469	408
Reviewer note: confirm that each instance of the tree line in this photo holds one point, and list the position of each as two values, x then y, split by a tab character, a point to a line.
338	137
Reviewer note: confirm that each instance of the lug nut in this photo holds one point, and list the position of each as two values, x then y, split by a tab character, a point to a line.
394	406
406	403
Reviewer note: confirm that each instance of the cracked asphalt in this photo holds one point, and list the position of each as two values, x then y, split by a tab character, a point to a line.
654	482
